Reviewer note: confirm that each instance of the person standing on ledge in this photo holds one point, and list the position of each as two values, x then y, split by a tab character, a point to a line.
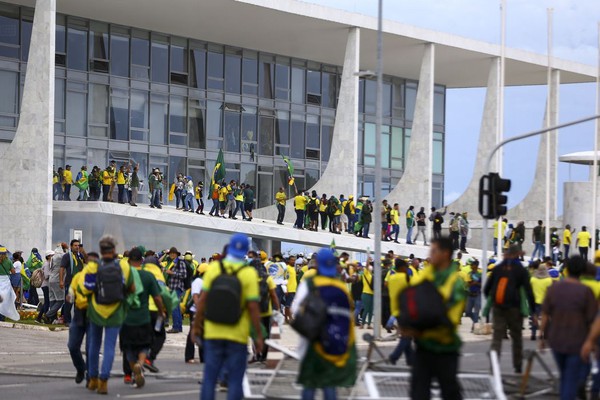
280	198
584	239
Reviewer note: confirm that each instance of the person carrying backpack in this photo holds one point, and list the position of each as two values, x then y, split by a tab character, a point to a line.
430	311
329	360
312	209
505	288
227	308
106	286
396	283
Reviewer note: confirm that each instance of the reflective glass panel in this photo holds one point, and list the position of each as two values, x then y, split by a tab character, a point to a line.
140	50
249	126
233	70
215	71
214	114
248	176
119	114
178	118
312	132
250	76
411	100
387	99
370	96
61	34
160	61
265	79
26	25
266	130
76	113
119	54
438	108
282	133
77	47
9	82
139	109
385	150
158	122
98	41
231	132
297	139
298	85
98	106
196	125
265	190
438	157
59	97
397	143
9	32
282	83
329	90
326	138
198	66
178	55
313	82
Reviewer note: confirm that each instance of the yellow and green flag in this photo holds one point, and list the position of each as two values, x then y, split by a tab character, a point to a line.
219	172
290	168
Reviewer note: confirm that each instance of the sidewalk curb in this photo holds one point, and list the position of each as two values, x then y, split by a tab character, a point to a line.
17	325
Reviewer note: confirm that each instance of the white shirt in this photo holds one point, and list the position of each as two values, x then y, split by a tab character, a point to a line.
18	266
196	289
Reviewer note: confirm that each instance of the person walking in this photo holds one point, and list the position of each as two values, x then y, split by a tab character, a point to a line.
44	287
323	211
366	218
583	242
437	219
395	223
55	292
280	198
537	238
540	282
567	239
504	285
421	226
396	283
410	223
226	329
71	263
199	199
455	230
68	182
78	329
327	362
248	201
175	274
106	286
496	239
195	290
437	353
82	183
473	281
367	295
567	324
299	206
464	232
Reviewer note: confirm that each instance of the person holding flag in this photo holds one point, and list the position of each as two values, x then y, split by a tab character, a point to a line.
290	168
82	183
33	263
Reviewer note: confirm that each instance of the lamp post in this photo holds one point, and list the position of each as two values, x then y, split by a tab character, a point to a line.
377	283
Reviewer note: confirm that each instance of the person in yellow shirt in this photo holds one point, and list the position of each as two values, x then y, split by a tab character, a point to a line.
395	222
540	282
107	180
292	286
396	283
68	179
78	325
323	211
280	198
121	185
583	242
268	304
312	209
503	229
367	297
225	341
567	239
299	206
223	193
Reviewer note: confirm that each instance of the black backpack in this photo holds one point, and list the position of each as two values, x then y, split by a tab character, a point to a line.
189	275
422	307
110	287
347	209
223	303
311	317
312	206
265	295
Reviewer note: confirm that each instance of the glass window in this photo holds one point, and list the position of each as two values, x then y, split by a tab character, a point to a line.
250	76
233	70
385	148
59	96
387	99
397	145
119	52
160	59
98	105
9	32
77	46
329	90
98	41
140	55
398	99
326	139
298	85
231	134
26	26
282	82
265	79
369	146
280	178
119	114
198	66
313	82
178	118
176	165
248	128
282	134
248	175
196	125
266	131
361	95
370	97
407	133
411	100
312	177
438	108
96	157
312	132
213	119
297	138
76	113
438	157
139	115
179	55
215	71
9	82
158	119
265	190
141	160
61	35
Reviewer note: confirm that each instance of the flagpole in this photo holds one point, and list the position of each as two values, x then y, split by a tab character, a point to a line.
595	162
500	122
550	137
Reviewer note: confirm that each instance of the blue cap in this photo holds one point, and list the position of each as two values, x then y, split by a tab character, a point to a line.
238	245
326	262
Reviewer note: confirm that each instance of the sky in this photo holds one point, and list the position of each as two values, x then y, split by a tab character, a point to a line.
575	38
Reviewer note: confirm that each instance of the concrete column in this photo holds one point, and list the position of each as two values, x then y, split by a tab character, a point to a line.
533	205
414	187
26	216
340	176
468	201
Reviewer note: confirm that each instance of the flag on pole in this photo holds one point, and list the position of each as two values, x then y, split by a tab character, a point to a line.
219	172
332	247
290	168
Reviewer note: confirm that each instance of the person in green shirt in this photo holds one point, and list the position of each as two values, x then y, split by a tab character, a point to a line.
6	266
104	319
136	336
410	223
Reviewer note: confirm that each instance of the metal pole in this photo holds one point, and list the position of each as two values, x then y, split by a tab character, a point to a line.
500	124
377	195
484	244
549	140
595	163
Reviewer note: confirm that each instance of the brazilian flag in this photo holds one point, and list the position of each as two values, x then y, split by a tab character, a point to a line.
290	168
219	172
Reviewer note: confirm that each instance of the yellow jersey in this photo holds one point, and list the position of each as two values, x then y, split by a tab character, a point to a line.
300	202
584	239
567	237
367	280
540	287
396	284
68	177
280	197
290	276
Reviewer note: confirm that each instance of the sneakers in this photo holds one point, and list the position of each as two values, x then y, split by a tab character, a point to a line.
127	379
149	365
138	375
102	386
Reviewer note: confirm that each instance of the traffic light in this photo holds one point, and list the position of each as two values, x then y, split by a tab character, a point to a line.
492	200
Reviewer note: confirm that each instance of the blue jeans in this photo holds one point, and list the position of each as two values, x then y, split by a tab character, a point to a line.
570	367
409	234
473	307
215	207
357	311
177	317
67	192
177	197
328	393
299	219
239	206
76	334
366	229
495	246
94	343
351	222
220	355
404	347
395	231
538	249
57	192
155	201
188	202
